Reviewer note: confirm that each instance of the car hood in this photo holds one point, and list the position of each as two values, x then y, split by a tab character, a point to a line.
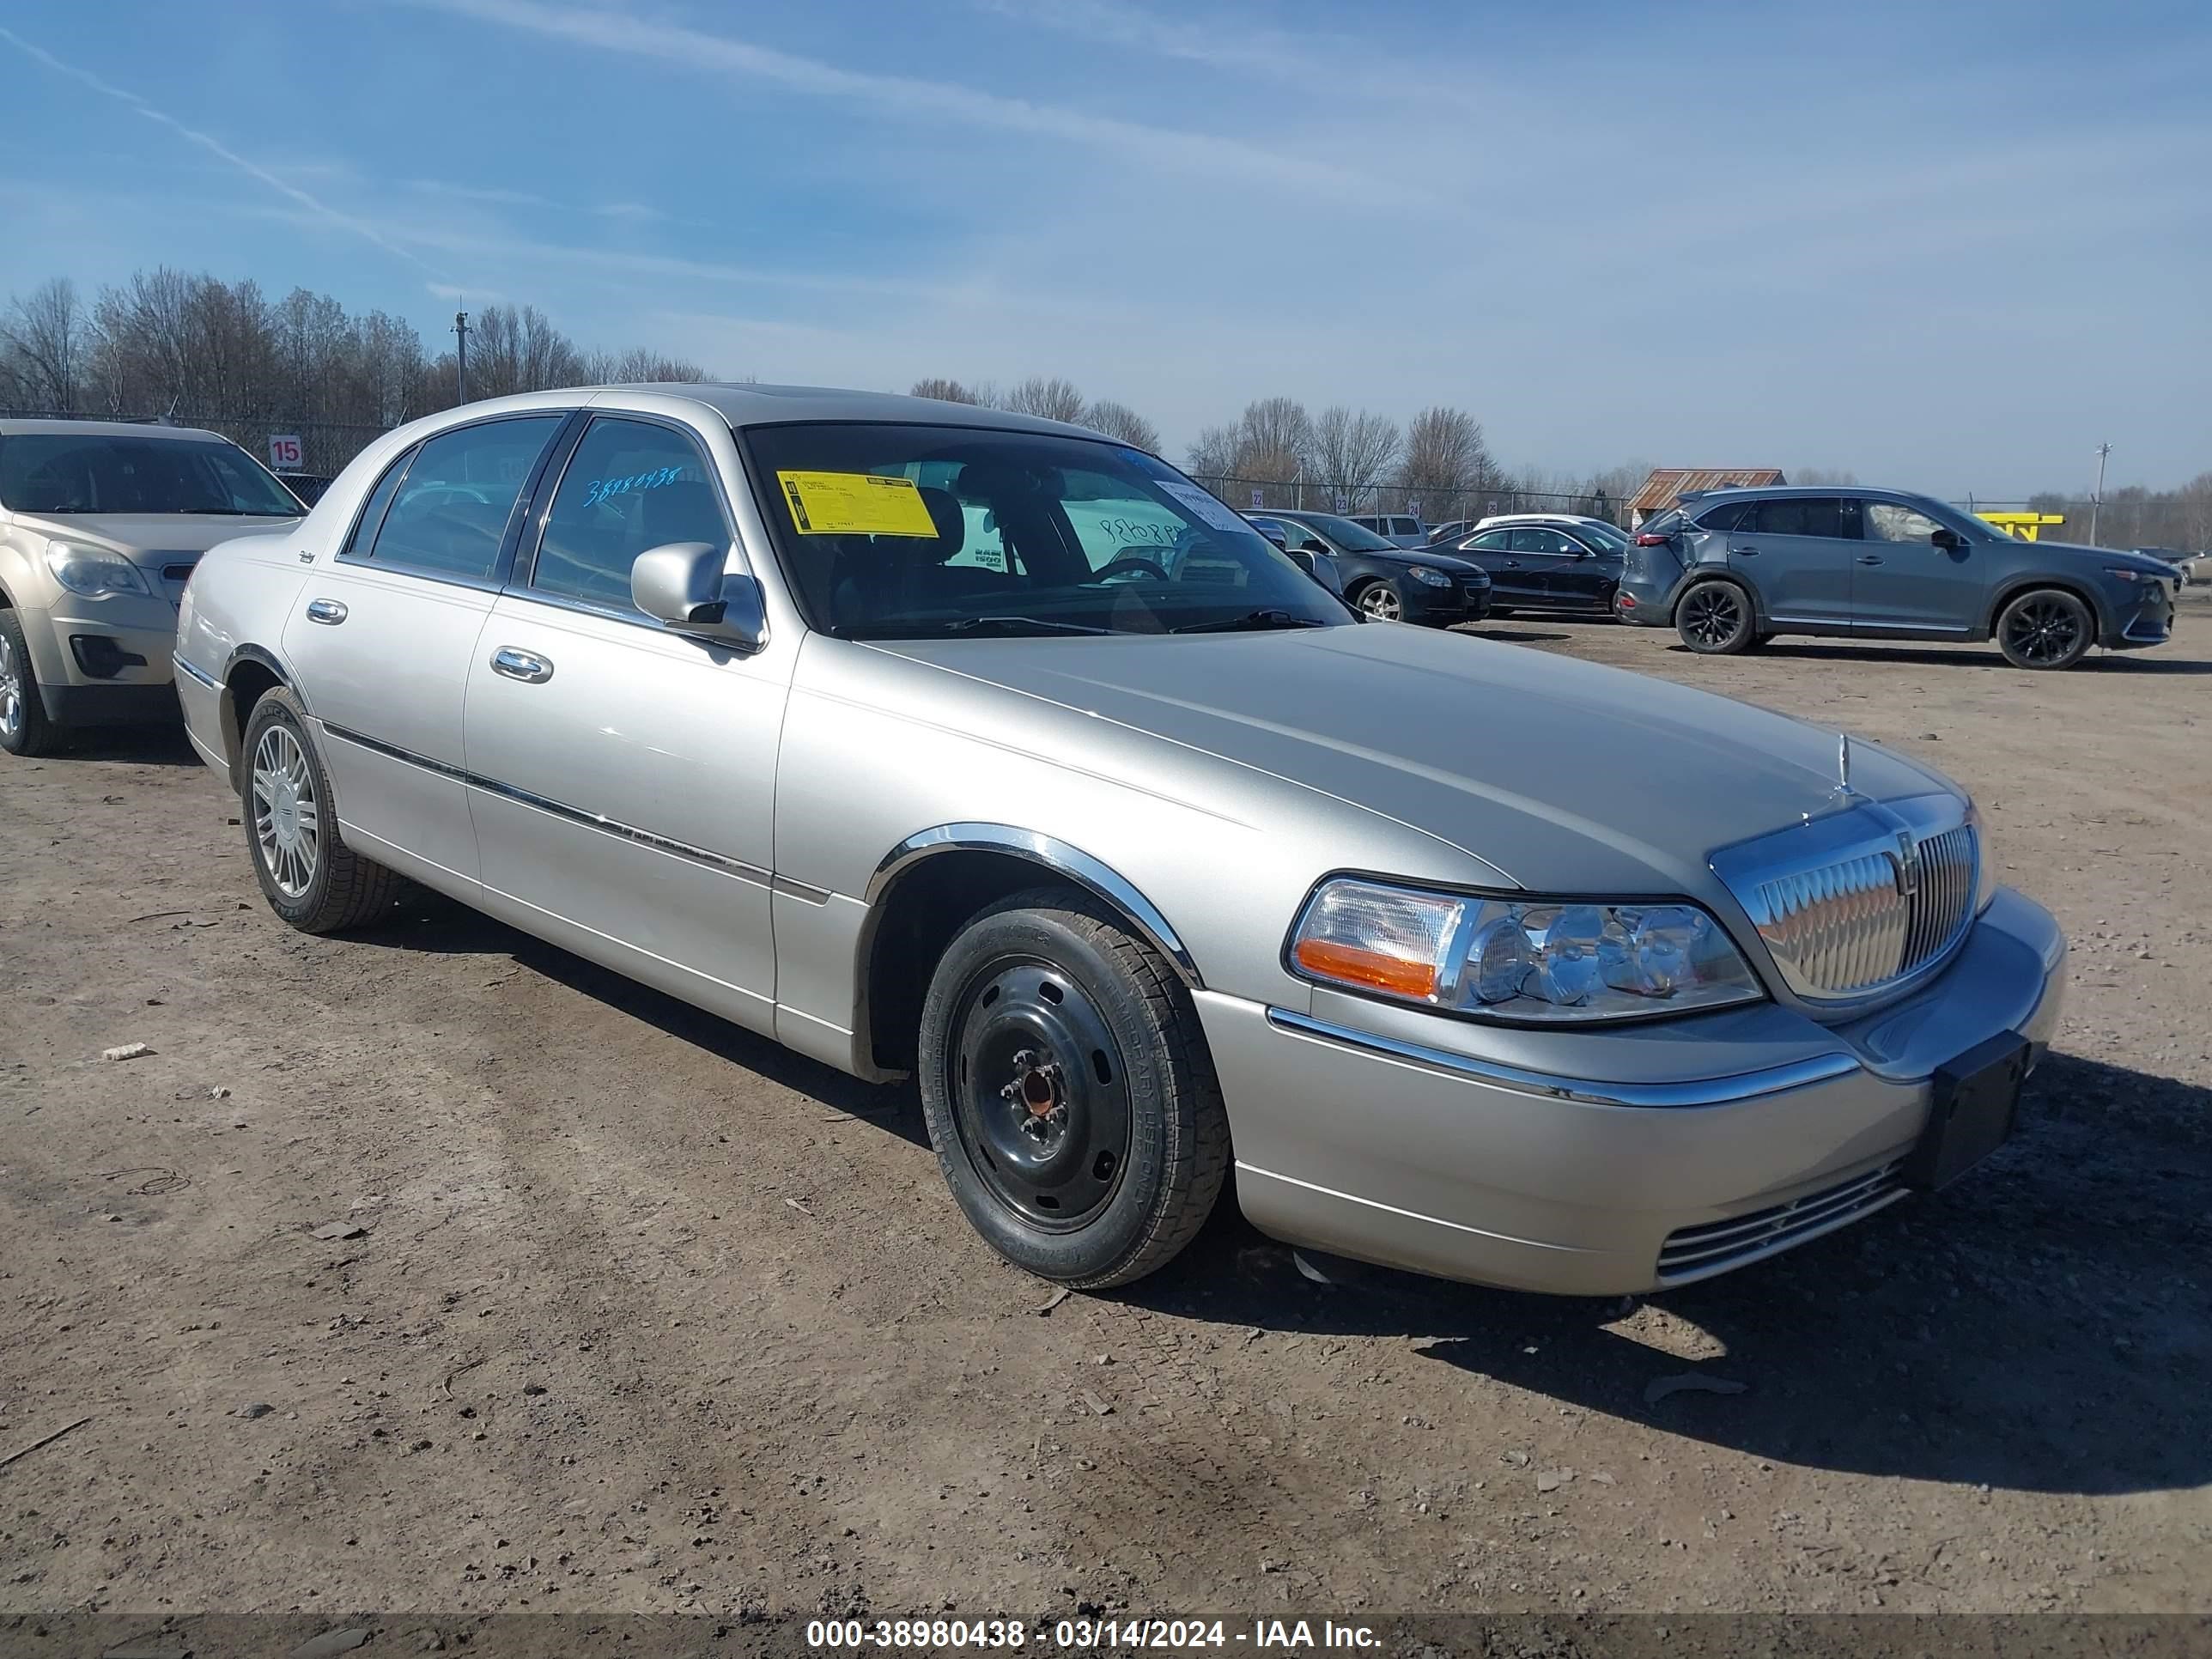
2109	558
1558	775
1412	556
136	534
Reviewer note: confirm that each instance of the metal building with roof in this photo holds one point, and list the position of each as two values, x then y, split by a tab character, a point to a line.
1667	484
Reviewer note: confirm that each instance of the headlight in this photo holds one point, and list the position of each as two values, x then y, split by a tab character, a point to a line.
93	571
1422	573
1544	960
2154	577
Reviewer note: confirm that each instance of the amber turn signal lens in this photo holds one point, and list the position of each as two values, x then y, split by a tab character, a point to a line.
1349	964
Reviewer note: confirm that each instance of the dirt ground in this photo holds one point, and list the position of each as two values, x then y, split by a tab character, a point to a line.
646	1315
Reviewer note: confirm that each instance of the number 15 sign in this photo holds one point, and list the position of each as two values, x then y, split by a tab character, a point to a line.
285	452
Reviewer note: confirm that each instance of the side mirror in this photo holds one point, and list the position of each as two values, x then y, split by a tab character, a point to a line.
1300	557
1276	536
682	585
1313	546
1947	538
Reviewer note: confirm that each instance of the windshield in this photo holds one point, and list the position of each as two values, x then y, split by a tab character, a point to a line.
918	531
1610	535
99	472
1351	537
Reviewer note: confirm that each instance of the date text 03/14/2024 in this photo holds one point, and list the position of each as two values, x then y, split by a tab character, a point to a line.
1287	1635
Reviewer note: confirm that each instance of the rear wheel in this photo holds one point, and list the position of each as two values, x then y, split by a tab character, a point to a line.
1068	1092
2045	627
308	874
24	727
1714	619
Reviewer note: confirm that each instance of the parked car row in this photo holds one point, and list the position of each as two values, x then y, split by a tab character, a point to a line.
935	741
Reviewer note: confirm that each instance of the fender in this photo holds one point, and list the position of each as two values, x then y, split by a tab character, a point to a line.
1039	849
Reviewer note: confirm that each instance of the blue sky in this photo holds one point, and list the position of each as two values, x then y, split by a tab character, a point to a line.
1948	246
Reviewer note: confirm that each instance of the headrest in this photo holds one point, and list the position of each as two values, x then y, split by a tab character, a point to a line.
951	525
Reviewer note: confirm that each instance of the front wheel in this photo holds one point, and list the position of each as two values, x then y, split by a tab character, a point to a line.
2047	628
1068	1091
1715	620
1380	602
24	728
308	874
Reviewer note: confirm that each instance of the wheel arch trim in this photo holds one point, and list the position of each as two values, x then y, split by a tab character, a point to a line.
2010	588
1048	853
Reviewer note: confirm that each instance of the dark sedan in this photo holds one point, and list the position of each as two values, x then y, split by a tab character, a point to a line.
1556	566
1388	583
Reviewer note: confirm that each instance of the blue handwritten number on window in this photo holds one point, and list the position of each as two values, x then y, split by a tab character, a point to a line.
600	490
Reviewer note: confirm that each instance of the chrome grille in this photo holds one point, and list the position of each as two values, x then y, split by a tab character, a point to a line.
1859	902
1714	1247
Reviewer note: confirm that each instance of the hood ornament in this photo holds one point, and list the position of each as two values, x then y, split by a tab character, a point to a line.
1843	795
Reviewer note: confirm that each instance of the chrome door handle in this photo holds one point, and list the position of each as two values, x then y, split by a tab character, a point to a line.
326	610
1512	564
1752	552
521	666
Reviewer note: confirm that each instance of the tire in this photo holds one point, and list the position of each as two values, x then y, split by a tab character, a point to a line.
1100	1154
24	728
308	874
2045	627
1380	601
1715	619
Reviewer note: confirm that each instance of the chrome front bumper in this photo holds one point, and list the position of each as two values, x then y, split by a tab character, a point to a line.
1705	1144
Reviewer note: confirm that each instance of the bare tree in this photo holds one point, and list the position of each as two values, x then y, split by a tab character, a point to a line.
42	347
1120	421
1353	453
1213	455
638	366
1053	400
1446	456
2193	514
945	391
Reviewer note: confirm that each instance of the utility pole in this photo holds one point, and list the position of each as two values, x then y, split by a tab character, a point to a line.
2098	500
461	356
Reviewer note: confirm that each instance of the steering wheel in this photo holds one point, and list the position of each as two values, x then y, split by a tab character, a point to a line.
1127	561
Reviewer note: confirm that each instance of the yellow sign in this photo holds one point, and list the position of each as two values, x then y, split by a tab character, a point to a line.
855	504
2025	526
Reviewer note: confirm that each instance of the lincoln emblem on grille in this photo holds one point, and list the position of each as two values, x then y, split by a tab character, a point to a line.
1908	864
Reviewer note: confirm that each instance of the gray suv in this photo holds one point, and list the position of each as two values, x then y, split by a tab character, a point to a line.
1731	568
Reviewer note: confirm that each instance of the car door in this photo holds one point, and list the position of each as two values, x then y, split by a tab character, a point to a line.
1510	581
1588	574
382	634
1543	555
1792	550
1902	581
622	776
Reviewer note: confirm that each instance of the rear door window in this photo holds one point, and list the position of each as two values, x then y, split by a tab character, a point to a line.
1729	515
450	515
1800	515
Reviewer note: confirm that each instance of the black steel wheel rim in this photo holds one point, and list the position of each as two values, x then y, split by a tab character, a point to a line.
1040	1096
1713	615
2043	631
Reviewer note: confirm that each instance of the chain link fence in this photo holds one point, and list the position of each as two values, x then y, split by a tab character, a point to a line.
1434	507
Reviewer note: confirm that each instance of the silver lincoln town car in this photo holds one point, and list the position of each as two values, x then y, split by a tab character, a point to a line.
935	740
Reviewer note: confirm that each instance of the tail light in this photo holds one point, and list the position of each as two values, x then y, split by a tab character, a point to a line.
1647	539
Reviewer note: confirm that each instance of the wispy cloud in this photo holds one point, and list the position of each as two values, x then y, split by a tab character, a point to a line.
937	102
216	147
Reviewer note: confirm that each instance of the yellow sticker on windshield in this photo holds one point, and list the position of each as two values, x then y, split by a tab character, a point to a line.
855	504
